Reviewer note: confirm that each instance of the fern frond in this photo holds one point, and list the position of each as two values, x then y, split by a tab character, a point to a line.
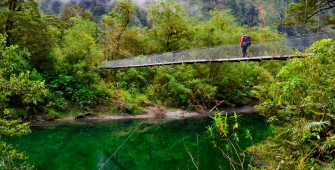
329	143
304	127
320	124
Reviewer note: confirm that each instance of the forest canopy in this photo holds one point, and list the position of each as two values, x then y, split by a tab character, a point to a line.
48	68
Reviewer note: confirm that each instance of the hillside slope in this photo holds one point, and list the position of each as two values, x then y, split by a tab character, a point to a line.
247	12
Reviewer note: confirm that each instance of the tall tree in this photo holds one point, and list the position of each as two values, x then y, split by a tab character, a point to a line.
170	25
117	22
17	91
25	27
220	29
79	43
75	78
75	11
314	13
8	9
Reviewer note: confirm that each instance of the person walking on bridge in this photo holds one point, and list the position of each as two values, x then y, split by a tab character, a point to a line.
245	43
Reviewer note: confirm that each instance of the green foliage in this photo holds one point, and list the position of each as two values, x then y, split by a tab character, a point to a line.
19	87
236	84
117	21
10	157
75	78
23	27
142	100
301	104
123	12
57	100
64	51
305	85
20	91
135	42
9	127
172	90
203	93
74	11
304	143
30	92
76	49
79	44
133	80
75	89
125	103
76	82
314	13
226	138
13	60
184	86
246	12
52	114
219	29
171	28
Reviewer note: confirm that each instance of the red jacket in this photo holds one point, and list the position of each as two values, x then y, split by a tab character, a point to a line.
242	40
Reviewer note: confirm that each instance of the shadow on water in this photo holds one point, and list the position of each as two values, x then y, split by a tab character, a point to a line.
156	144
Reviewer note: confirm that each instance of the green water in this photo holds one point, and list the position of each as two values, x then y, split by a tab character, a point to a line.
159	144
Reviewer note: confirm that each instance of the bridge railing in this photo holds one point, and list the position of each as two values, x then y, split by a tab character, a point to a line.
275	47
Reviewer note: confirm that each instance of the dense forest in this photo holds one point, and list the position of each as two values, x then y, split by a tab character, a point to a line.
245	12
49	52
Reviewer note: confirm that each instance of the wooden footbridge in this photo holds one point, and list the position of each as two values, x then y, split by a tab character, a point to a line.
275	49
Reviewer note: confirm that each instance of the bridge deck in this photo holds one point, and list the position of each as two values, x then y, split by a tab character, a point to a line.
272	49
257	59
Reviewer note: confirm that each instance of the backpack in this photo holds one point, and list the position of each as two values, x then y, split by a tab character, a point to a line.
247	39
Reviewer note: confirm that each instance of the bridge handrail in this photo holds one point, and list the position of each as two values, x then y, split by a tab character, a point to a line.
272	47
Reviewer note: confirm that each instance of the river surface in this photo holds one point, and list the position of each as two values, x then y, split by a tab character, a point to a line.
130	144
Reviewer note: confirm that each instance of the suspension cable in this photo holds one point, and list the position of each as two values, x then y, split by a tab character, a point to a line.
122	144
286	18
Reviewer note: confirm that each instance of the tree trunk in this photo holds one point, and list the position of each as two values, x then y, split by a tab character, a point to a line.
9	23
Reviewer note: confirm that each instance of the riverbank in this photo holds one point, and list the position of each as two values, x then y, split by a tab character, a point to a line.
159	113
135	144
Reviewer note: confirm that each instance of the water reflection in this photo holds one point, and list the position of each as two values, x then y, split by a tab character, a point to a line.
153	144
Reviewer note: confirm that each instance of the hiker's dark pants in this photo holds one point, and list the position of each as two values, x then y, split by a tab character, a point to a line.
244	50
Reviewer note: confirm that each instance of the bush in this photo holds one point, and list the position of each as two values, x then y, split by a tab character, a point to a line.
86	96
126	103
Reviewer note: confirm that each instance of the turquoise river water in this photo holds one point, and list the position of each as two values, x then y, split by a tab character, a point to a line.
134	144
